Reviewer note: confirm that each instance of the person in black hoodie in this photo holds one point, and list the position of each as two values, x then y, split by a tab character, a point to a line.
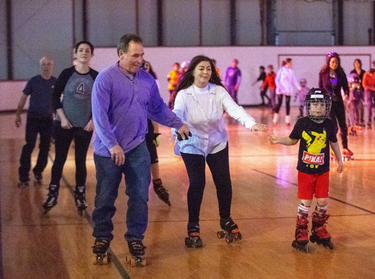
332	78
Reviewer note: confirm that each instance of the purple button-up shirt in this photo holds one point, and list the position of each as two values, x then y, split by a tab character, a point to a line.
120	108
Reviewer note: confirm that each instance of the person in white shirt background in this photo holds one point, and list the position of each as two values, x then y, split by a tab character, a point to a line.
285	79
200	103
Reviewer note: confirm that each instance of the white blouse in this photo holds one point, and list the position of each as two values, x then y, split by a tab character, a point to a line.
202	109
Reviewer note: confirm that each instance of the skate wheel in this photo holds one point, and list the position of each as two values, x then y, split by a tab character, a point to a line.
109	257
331	245
220	234
239	236
229	239
312	239
143	262
133	262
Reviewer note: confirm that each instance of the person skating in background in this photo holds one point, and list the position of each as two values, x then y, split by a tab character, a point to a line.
316	134
369	86
232	80
74	118
333	79
354	103
173	77
152	141
263	89
285	79
39	120
271	84
302	95
360	73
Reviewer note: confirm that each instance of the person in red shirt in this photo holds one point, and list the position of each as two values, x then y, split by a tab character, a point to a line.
270	82
369	86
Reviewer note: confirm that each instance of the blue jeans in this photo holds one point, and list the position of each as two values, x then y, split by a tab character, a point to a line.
137	180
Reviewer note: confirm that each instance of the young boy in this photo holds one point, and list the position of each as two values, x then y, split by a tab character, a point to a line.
316	133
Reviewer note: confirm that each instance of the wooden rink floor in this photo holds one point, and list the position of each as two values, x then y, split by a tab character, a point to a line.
264	178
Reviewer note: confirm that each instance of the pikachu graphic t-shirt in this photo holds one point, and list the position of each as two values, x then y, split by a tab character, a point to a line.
314	148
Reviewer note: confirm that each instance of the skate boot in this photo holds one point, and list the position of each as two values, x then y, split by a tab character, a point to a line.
137	251
319	233
38	178
352	131
301	235
100	249
80	198
369	126
160	191
230	231
347	154
193	240
51	200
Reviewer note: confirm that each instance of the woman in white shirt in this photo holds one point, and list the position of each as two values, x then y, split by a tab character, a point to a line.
285	78
200	103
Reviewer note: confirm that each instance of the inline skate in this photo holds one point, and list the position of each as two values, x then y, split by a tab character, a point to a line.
80	198
51	200
100	249
301	236
230	231
161	191
319	233
137	251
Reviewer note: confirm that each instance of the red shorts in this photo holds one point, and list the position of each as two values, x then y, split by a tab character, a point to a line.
310	184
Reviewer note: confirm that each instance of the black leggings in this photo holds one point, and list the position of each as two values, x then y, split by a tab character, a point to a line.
280	101
63	140
219	166
337	115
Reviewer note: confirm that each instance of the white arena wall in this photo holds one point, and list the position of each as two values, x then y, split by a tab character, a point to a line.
307	62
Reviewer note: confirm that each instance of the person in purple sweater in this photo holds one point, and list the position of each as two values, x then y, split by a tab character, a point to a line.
123	98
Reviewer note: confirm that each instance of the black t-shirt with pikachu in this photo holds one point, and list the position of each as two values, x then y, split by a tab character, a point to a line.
314	148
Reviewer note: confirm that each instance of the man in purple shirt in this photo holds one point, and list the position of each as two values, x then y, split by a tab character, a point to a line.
123	98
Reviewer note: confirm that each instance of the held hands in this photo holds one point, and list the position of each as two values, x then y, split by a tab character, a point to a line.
273	139
117	155
259	127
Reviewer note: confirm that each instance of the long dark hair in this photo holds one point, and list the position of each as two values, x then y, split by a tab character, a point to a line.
188	79
328	59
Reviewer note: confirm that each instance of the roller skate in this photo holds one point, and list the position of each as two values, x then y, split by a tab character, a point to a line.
347	154
137	251
51	200
193	240
100	249
230	231
319	233
160	191
38	178
301	235
369	126
23	183
80	198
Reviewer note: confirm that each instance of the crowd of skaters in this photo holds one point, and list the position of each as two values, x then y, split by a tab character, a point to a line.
89	103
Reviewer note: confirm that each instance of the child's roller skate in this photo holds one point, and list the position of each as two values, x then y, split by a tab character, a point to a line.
100	249
80	198
319	233
193	240
51	200
301	235
160	191
347	154
137	251
230	231
38	178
